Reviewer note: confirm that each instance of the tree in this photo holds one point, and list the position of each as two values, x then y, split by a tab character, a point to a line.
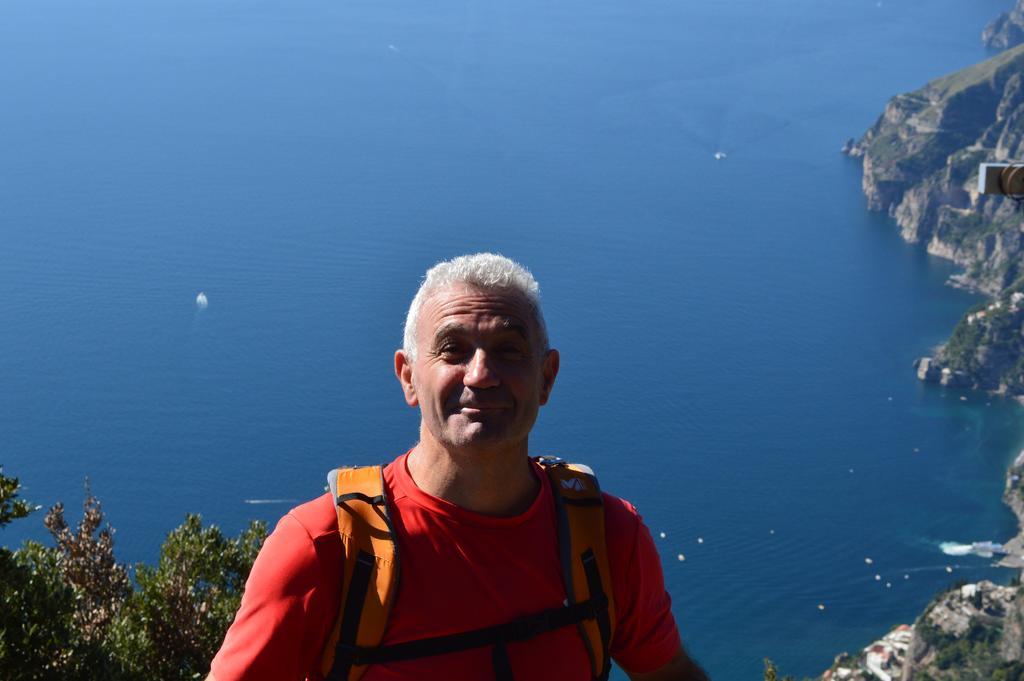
11	507
771	672
85	560
39	636
174	623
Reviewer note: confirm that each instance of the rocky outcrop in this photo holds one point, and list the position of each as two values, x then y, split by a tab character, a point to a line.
985	350
1013	496
1006	30
921	166
971	631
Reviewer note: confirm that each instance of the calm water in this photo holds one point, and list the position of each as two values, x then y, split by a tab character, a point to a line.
736	335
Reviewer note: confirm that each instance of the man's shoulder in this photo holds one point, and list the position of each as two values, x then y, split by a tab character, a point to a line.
621	518
317	517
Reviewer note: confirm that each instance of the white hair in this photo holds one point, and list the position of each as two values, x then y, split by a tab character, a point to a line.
484	271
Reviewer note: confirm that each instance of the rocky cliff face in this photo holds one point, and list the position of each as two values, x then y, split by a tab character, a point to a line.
921	166
1013	496
970	632
1006	30
921	163
986	349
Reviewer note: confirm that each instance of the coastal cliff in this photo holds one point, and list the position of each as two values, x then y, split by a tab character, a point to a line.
1006	30
921	167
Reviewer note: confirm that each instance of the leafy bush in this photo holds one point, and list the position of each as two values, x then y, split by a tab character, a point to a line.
85	560
771	672
173	625
71	611
11	507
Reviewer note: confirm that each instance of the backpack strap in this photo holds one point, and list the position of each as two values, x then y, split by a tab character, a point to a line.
498	636
584	553
370	572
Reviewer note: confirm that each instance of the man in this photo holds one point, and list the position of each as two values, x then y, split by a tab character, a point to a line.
473	515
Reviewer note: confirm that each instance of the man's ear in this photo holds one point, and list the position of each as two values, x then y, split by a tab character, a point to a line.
549	369
403	372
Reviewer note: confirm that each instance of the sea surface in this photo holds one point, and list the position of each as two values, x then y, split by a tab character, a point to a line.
736	335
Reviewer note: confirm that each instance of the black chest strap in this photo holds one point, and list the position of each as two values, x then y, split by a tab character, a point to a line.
499	636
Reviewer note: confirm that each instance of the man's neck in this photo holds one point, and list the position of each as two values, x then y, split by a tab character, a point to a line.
492	482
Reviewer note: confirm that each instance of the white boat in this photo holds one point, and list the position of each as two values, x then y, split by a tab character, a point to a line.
987	547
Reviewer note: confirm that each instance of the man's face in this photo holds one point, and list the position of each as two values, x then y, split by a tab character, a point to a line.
480	373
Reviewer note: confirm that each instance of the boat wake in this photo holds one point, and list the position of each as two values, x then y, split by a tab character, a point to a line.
951	548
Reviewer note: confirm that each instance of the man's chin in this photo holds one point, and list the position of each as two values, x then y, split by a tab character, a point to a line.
472	433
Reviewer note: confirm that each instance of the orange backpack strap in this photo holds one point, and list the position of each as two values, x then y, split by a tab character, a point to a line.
370	571
584	553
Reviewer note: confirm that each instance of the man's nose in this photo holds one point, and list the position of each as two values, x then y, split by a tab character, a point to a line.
480	372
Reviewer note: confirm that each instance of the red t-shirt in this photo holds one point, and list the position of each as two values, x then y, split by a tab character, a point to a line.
459	571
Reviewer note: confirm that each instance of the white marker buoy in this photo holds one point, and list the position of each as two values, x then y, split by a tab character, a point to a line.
821	606
661	534
868	561
681	557
878	578
700	540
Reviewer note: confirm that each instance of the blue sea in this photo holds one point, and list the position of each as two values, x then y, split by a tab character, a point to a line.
736	335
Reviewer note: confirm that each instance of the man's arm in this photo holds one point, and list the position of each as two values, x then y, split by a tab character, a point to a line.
680	668
646	636
266	639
